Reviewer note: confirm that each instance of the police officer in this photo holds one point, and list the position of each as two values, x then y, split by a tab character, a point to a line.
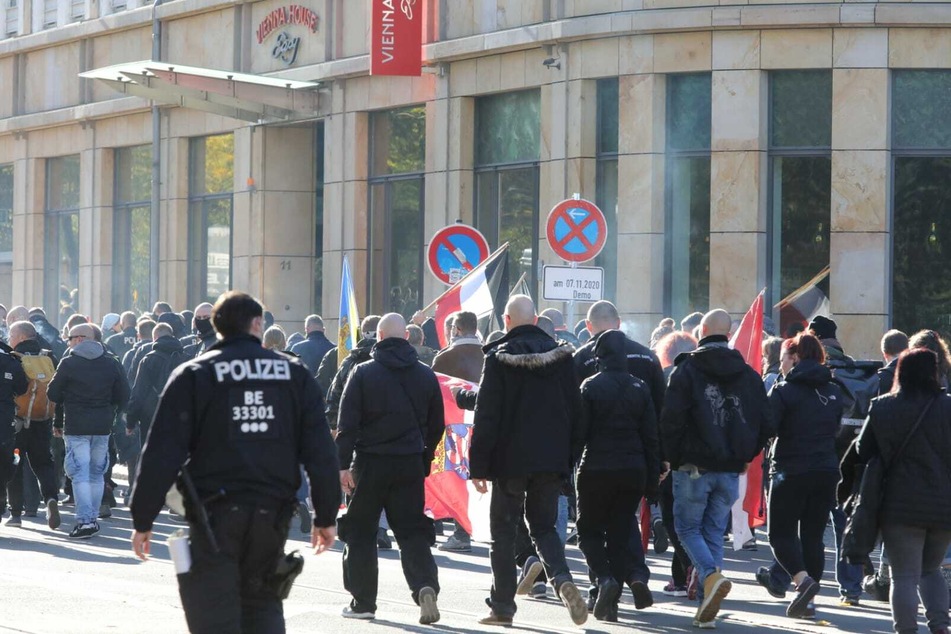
243	418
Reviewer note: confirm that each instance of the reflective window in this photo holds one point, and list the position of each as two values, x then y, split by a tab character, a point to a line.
687	280
211	204
397	162
607	185
319	219
508	129
800	192
921	226
6	212
62	238
131	222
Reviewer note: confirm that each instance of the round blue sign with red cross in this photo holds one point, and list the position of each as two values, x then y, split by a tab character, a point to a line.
576	230
454	251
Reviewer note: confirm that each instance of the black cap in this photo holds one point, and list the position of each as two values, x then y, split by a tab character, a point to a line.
823	327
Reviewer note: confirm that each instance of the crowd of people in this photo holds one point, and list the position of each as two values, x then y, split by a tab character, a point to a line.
584	422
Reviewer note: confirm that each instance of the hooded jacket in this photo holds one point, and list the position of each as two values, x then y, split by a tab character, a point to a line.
716	414
641	363
312	350
620	430
358	355
166	355
806	410
918	486
528	417
90	388
392	405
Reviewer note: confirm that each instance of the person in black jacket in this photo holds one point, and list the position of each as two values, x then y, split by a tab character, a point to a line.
330	369
915	514
34	439
122	341
143	329
312	350
621	462
715	421
156	367
804	467
526	434
391	421
243	418
894	342
91	390
13	383
204	333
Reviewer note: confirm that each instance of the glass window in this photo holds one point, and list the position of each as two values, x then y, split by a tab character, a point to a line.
6	212
131	222
397	162
921	109
607	175
800	190
211	206
62	237
921	231
687	281
319	220
508	129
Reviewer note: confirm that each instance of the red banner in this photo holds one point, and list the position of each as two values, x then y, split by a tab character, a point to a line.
396	39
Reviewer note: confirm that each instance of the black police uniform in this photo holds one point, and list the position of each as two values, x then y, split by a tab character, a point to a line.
244	418
13	383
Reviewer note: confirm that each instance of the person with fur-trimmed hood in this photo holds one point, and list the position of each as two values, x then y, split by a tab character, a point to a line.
527	434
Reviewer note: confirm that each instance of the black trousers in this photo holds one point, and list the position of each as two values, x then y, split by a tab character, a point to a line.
34	443
681	560
799	507
225	592
393	484
607	513
7	468
539	495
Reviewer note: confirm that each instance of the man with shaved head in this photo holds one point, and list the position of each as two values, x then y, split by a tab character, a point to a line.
92	389
526	439
715	421
391	421
312	350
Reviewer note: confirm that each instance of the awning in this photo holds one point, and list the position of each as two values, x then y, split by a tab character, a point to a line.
242	96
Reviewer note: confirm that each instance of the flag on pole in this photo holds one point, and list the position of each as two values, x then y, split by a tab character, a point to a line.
521	287
477	292
449	493
807	301
349	316
750	508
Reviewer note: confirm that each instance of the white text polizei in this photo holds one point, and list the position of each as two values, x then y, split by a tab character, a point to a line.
253	370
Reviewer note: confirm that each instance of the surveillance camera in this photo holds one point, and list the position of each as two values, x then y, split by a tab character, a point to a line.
552	62
549	61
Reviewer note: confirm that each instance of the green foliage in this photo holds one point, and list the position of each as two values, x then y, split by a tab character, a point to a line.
921	109
921	278
689	107
399	141
212	164
801	108
508	128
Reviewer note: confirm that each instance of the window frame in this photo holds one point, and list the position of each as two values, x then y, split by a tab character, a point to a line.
602	160
197	286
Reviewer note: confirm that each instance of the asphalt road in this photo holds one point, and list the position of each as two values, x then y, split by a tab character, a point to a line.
50	584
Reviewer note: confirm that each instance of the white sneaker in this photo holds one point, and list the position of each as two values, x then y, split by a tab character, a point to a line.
350	613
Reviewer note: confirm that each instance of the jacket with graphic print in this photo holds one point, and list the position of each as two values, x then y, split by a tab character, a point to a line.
716	415
807	411
528	417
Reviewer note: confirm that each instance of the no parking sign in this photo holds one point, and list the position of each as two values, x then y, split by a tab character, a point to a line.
454	251
576	230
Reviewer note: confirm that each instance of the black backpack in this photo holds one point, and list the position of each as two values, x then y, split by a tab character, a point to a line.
859	382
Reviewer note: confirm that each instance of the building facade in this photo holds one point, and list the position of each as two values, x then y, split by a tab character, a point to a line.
733	147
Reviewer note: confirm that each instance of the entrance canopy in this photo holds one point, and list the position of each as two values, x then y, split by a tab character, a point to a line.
252	98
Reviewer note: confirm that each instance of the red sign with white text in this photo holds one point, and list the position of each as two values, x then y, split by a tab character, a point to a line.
396	39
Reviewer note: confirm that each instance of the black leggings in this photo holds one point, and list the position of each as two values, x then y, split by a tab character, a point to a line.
681	560
799	507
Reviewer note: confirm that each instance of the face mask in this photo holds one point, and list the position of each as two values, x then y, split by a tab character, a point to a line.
203	327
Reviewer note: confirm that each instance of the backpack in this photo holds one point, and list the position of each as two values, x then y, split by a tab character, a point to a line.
34	404
859	383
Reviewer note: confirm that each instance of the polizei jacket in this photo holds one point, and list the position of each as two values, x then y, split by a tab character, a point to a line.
528	410
716	414
244	418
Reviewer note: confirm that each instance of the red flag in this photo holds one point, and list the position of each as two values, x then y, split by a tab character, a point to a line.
748	339
447	488
476	292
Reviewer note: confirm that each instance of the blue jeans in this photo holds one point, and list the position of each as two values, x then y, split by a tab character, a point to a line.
701	513
561	524
87	458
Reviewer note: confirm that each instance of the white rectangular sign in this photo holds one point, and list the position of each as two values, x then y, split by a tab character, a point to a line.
582	284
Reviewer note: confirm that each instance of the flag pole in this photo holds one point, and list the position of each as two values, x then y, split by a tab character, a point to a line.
518	283
466	276
802	289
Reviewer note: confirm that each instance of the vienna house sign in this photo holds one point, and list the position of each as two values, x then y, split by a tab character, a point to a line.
286	44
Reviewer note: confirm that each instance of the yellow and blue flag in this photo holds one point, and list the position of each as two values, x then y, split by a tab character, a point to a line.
349	317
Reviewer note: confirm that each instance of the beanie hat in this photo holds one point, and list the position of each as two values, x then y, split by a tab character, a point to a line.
823	327
109	322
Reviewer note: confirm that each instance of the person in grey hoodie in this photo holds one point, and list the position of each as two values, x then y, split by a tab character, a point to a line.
92	390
